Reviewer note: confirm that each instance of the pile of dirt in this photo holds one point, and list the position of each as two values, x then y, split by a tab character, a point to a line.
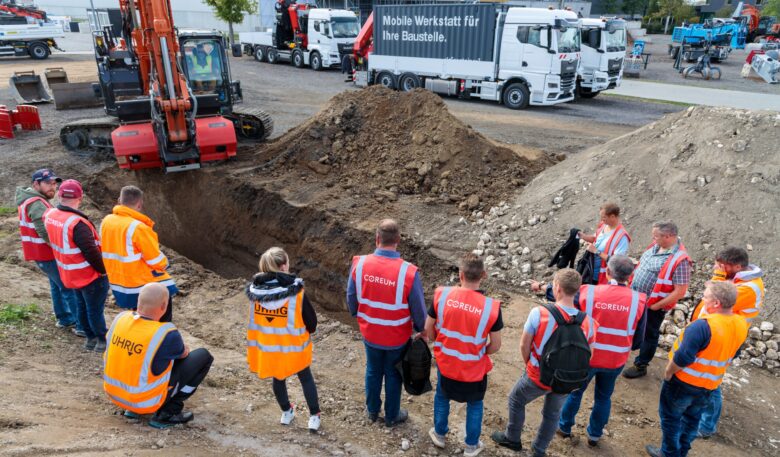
715	172
381	143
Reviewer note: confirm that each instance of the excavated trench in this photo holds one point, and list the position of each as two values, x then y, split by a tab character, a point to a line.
224	223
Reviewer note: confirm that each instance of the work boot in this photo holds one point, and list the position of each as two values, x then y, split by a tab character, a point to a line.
636	371
61	325
563	434
131	415
403	416
165	420
90	344
501	439
653	451
100	346
592	442
372	417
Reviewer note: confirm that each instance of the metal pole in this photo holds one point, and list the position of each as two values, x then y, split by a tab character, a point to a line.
94	14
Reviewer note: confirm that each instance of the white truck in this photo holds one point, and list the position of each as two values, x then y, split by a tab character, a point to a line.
305	36
515	56
603	50
27	36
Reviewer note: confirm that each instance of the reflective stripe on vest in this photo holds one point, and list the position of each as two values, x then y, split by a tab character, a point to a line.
550	326
34	248
664	284
131	255
612	244
290	329
399	291
137	290
477	339
75	270
759	298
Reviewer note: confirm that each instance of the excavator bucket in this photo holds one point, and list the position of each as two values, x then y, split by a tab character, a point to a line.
55	75
25	116
75	95
27	87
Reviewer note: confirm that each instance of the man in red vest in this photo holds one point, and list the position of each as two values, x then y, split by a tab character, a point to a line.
663	274
619	311
386	295
611	238
76	246
33	201
466	327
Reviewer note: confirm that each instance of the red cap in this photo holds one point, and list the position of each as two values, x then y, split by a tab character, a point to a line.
70	188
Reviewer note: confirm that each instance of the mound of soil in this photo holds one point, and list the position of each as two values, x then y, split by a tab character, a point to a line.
383	143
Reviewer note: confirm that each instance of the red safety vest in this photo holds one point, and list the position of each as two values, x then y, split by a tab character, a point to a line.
464	318
383	285
612	243
74	269
664	285
618	310
547	326
34	248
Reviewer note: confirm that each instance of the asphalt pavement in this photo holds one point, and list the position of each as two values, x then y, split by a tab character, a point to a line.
698	95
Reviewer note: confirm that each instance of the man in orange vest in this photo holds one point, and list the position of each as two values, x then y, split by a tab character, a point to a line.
619	311
32	202
385	293
663	274
697	362
147	367
611	238
76	246
466	327
131	251
537	331
732	264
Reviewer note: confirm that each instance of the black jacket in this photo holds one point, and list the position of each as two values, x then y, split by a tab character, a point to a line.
568	252
586	266
415	367
290	285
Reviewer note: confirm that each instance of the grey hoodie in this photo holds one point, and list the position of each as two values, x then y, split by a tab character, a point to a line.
35	210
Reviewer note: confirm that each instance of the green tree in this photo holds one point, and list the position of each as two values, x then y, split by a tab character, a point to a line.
771	8
232	11
631	7
610	6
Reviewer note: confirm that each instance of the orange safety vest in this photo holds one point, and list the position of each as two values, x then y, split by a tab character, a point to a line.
277	342
74	269
618	310
728	333
463	322
34	248
547	326
750	295
664	284
612	244
127	363
383	286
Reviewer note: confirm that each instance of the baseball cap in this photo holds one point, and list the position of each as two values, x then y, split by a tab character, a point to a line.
70	188
45	174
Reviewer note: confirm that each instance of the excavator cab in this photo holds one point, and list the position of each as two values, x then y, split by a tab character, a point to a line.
204	62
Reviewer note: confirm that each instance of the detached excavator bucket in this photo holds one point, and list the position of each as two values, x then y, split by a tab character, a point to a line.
75	95
27	87
55	75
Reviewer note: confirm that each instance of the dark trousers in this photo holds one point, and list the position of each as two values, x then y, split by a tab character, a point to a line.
652	331
680	409
186	376
90	301
309	392
380	365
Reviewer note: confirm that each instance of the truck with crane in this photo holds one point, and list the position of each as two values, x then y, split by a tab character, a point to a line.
603	51
511	55
168	93
304	36
26	31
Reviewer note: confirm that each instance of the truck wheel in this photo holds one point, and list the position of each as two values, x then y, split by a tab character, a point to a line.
38	50
386	79
315	61
297	59
516	96
259	54
408	82
272	55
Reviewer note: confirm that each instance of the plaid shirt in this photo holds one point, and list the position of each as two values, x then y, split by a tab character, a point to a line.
650	264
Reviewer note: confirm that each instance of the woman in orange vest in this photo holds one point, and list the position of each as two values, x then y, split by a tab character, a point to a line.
281	321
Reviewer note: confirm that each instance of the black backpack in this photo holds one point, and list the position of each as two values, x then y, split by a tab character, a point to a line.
566	356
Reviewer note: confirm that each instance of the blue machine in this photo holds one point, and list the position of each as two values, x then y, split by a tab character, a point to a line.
732	34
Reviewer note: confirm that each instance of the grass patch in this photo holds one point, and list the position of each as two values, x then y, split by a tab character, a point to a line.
7	211
12	314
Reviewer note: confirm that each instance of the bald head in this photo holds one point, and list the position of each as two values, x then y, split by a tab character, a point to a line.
153	300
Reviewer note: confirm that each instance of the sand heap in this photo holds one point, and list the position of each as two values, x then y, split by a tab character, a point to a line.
384	143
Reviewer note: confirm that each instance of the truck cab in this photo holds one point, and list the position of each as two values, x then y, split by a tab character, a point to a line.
542	48
603	50
331	34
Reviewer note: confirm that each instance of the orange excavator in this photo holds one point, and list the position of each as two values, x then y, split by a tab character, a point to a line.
168	93
759	27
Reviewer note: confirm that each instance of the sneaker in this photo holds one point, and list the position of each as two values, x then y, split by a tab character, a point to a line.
288	416
439	441
501	439
636	371
169	420
61	325
100	347
473	451
314	423
403	416
79	333
592	442
90	344
653	451
131	415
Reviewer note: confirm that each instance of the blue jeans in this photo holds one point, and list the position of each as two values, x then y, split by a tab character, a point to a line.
91	300
441	414
380	364
602	402
680	409
711	415
63	300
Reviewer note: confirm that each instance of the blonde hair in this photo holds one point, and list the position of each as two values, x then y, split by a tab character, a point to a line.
272	260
